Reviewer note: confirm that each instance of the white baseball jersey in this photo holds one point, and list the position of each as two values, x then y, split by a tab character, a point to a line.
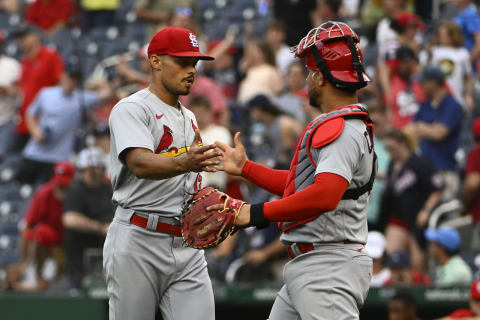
142	120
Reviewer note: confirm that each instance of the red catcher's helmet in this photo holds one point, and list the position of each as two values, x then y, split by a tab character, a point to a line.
332	48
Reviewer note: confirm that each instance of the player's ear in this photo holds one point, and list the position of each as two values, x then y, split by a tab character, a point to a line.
319	78
155	62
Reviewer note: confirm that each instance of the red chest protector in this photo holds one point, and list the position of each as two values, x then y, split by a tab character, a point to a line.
319	133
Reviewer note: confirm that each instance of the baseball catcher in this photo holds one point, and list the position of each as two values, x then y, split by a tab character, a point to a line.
323	212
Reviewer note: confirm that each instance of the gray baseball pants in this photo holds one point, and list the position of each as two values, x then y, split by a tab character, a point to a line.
330	282
147	269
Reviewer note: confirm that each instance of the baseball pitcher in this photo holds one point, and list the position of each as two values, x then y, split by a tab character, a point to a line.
155	161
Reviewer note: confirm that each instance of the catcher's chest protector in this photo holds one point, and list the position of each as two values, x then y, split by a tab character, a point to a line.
302	168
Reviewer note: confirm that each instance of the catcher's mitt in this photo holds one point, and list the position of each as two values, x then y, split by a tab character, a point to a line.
202	229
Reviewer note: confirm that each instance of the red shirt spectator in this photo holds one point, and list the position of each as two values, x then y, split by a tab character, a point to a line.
44	214
406	92
406	100
47	14
42	71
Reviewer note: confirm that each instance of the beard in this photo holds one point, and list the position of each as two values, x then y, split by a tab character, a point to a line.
176	90
312	99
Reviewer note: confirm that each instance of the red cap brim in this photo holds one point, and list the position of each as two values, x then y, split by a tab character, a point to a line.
192	54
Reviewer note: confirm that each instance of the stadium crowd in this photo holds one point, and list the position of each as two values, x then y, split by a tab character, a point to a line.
64	64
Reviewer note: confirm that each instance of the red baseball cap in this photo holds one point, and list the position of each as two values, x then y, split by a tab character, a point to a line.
178	42
63	173
475	290
476	127
407	19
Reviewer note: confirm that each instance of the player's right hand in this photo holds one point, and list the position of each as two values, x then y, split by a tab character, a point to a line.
200	158
233	158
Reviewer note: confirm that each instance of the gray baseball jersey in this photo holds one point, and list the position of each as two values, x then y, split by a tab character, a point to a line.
146	269
142	120
349	156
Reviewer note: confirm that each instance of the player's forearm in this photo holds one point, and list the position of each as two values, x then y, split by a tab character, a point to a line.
147	165
322	196
267	178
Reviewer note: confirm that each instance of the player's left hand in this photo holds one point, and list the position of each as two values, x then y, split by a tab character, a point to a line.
243	218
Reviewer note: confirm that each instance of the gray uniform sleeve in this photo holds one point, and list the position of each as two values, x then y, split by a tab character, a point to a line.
129	128
342	156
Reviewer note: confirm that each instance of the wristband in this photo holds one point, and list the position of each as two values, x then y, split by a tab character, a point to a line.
257	218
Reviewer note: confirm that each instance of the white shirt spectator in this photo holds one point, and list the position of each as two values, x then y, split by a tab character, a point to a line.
10	71
455	63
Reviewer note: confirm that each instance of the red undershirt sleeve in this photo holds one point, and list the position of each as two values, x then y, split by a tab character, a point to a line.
322	196
267	178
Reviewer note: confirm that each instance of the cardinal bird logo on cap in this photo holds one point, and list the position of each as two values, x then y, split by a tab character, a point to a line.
166	140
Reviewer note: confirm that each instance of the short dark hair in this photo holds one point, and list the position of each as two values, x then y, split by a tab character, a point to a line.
200	100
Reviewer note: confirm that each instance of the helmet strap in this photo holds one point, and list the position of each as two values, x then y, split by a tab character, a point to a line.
357	65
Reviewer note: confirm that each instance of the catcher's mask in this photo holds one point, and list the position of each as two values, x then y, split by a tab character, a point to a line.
332	48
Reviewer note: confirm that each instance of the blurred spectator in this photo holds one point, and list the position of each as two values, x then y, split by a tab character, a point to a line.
53	120
298	16
451	270
255	249
275	38
88	212
261	73
203	85
210	133
402	273
378	114
290	101
386	36
157	14
471	185
449	54
406	26
437	126
375	247
131	75
406	92
43	234
474	311
50	15
41	67
10	71
402	306
101	134
469	21
222	70
412	190
282	131
98	13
